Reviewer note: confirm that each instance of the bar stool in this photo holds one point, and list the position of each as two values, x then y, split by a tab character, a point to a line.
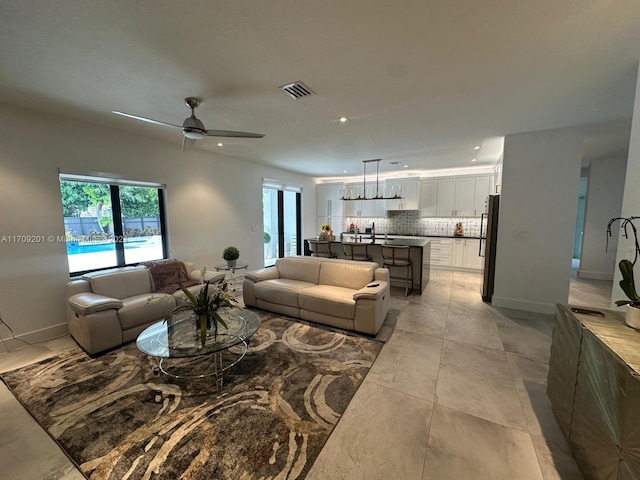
398	256
356	251
321	248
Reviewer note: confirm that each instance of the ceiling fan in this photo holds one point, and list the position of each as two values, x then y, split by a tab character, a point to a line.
192	128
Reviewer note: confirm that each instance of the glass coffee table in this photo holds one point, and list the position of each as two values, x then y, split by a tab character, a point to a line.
177	338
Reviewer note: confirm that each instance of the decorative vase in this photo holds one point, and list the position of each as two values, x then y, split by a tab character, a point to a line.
632	317
205	327
231	263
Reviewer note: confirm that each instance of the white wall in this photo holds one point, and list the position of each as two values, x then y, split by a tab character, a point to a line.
540	181
630	201
604	201
212	201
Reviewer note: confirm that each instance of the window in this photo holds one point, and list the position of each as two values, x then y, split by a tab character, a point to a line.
111	224
281	206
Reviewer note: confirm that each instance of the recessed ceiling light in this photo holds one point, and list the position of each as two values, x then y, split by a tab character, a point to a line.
477	147
343	119
345	171
406	166
473	159
219	144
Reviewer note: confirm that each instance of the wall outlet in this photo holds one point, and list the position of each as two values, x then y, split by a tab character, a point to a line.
253	228
520	235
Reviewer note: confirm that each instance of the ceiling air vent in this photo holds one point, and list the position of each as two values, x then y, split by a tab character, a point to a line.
395	162
297	90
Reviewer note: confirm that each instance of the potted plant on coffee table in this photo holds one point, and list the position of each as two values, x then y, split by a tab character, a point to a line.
231	254
205	305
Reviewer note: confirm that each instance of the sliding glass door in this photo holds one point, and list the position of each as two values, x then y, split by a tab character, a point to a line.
282	223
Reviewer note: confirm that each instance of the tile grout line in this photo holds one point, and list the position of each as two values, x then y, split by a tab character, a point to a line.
435	397
535	450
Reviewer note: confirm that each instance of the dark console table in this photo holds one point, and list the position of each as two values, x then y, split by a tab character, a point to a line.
594	388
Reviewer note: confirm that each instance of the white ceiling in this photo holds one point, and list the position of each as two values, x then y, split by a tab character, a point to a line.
422	81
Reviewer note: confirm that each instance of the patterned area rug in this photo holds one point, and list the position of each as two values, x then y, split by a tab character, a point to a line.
117	419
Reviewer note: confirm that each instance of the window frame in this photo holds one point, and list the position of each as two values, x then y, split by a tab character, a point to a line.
116	213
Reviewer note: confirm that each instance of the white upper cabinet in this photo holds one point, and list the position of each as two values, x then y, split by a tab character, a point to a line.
465	197
497	179
408	189
484	188
364	208
428	198
328	199
411	194
446	197
461	196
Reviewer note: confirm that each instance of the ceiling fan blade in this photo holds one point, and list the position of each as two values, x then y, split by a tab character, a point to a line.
187	143
148	120
228	133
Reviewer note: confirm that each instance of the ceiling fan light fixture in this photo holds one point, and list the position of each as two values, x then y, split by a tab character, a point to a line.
193	133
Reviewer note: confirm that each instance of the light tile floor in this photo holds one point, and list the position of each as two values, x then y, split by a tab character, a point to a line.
457	392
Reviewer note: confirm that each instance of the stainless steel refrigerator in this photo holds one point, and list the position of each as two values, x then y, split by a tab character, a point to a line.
488	240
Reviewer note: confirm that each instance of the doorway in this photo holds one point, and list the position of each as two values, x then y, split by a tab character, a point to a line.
281	208
577	242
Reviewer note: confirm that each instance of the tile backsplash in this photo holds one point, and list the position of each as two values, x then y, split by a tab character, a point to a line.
410	223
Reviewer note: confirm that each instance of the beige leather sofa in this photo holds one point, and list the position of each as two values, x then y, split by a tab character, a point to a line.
341	293
110	307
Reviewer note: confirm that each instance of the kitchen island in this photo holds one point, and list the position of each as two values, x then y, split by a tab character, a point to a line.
420	254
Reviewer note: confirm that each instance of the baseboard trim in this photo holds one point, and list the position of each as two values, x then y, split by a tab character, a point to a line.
595	275
37	336
526	305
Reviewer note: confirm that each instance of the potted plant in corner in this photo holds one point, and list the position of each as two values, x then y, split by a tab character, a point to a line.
632	317
205	305
231	254
627	284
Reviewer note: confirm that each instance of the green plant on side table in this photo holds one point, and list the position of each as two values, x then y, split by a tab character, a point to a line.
627	284
205	305
231	254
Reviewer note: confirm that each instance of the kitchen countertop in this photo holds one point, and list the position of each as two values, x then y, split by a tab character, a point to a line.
393	235
404	242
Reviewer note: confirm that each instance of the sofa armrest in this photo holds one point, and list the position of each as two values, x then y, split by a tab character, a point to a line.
373	290
262	274
86	303
381	274
210	276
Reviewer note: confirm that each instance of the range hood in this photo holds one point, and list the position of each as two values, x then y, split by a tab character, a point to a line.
378	195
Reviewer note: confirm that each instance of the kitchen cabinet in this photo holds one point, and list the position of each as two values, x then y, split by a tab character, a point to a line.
465	197
428	198
408	189
462	196
456	252
484	188
441	250
328	199
329	206
446	197
497	178
364	208
335	222
471	258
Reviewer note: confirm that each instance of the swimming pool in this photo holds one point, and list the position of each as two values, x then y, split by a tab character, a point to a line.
74	248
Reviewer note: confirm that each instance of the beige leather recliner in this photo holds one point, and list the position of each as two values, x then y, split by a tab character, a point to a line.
108	308
347	294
